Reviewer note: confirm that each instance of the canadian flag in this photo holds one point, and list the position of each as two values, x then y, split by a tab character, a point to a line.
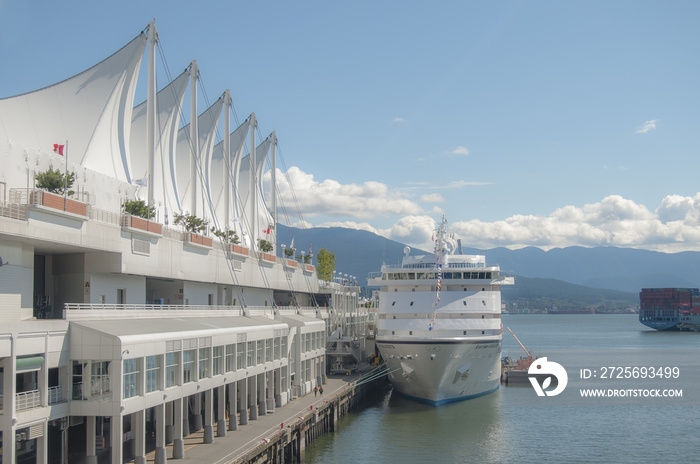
267	231
58	148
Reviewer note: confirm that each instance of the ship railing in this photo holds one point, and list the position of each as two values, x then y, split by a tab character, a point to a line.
56	394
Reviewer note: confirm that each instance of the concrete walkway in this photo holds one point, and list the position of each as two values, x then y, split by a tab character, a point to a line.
237	442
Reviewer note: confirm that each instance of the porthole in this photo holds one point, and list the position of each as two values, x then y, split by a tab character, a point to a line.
410	332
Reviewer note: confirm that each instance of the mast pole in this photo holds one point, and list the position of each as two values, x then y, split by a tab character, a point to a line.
151	109
194	142
227	156
273	192
253	181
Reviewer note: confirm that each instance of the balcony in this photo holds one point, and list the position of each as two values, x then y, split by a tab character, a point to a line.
99	388
27	400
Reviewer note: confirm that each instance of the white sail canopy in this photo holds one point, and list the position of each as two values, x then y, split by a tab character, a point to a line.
92	111
217	170
206	124
263	220
169	106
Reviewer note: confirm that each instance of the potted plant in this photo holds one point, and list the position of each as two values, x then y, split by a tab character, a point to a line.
193	225
55	188
138	215
230	238
266	247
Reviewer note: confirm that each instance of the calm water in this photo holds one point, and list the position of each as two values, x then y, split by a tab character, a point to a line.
514	425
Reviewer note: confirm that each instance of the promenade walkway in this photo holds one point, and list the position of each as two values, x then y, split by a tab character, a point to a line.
237	442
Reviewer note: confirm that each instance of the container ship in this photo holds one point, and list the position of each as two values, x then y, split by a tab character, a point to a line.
439	323
670	308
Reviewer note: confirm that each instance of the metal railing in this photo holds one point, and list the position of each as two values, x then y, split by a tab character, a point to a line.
97	388
27	400
56	394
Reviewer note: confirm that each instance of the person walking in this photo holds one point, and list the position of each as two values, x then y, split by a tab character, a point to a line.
316	390
320	390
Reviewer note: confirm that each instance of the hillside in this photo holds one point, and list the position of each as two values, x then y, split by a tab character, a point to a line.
561	276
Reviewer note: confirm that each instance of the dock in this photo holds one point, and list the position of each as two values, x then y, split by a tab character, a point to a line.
282	436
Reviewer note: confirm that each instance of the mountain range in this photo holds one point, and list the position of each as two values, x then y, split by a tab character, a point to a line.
625	270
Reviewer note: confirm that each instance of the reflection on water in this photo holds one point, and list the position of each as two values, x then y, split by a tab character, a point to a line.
514	425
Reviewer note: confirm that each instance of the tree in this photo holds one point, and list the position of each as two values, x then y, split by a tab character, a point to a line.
54	181
289	252
139	208
264	245
190	222
227	235
325	264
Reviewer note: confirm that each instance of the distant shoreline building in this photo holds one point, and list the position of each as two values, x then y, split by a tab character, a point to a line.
119	333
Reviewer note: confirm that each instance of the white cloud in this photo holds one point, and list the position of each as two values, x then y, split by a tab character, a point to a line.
432	198
614	221
460	151
398	120
648	126
331	198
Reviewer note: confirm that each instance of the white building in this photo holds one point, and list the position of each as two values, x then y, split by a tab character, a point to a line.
117	334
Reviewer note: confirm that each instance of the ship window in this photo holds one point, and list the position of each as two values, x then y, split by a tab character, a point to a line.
482	316
411	276
483	302
482	332
464	302
393	303
393	332
465	332
482	275
488	275
394	317
411	303
475	275
410	332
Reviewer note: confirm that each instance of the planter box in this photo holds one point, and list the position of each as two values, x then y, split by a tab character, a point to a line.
269	258
238	250
196	239
57	202
291	263
141	225
309	268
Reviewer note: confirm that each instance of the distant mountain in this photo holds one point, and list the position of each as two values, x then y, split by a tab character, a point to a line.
357	252
629	270
540	294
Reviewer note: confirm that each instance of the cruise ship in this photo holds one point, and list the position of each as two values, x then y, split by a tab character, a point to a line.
439	323
122	331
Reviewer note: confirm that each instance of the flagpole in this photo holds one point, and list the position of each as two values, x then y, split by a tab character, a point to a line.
65	178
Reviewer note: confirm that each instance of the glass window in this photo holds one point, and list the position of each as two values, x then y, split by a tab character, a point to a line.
259	353
230	358
277	352
152	373
240	356
284	346
217	360
268	350
188	367
250	358
172	369
131	378
204	370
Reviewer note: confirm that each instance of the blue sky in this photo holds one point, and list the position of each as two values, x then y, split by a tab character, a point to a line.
542	123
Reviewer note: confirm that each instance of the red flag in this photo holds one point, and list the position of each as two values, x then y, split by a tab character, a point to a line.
58	148
267	231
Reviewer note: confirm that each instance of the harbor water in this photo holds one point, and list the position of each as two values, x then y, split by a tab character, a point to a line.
629	425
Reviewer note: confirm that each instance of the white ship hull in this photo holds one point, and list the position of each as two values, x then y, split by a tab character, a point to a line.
440	371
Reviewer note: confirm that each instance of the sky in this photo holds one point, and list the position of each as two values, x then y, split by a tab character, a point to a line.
539	123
